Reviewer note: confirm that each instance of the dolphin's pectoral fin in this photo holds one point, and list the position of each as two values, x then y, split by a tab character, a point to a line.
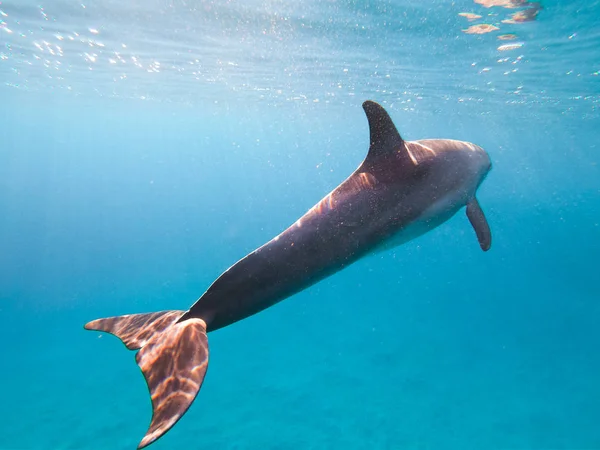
385	141
173	359
479	223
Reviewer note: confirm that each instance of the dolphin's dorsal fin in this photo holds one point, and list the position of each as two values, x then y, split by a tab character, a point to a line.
385	139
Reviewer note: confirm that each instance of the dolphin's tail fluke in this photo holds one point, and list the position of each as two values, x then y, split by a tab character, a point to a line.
173	358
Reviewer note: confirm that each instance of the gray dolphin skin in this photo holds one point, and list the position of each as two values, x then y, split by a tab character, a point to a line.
400	191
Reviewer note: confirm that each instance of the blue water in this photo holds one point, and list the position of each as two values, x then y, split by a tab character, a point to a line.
165	140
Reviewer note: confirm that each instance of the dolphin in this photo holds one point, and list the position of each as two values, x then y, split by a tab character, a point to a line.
401	190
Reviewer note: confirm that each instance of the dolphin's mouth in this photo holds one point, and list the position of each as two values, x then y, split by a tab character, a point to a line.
488	166
485	173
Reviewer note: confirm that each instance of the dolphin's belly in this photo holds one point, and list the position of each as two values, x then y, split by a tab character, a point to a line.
441	211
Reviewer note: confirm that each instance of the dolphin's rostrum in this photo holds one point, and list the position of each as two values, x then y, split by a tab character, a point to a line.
401	190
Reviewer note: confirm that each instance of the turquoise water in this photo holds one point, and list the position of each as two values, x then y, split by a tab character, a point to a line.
146	146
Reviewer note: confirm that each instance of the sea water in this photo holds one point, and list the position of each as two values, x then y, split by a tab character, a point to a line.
145	146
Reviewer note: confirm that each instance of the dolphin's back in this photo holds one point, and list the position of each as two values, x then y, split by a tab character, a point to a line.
336	232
